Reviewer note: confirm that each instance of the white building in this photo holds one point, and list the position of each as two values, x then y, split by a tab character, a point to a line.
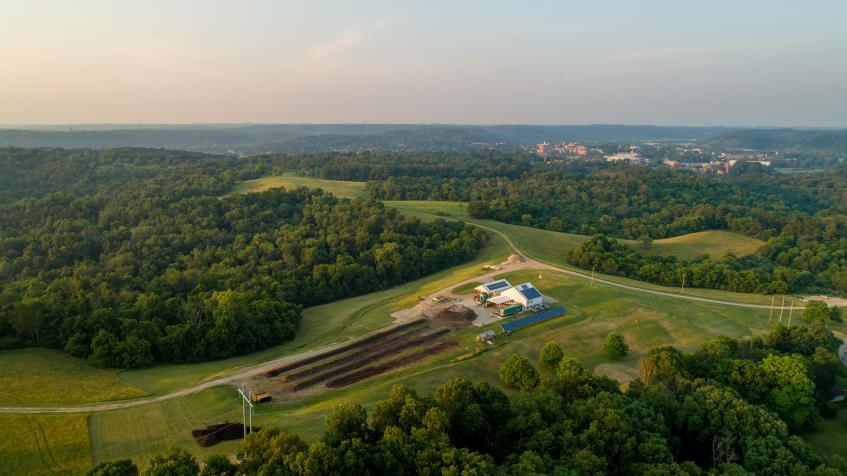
525	294
484	292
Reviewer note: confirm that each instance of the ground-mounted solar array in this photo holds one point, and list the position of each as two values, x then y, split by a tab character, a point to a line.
533	319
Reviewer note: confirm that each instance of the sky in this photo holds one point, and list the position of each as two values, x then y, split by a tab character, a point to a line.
675	62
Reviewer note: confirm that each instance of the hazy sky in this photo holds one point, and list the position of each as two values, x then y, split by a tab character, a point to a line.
695	62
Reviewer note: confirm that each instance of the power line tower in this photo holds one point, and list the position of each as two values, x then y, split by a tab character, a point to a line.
246	407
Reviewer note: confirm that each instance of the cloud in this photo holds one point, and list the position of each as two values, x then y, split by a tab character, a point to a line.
323	52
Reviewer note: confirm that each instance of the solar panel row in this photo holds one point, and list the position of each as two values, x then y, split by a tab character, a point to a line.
533	319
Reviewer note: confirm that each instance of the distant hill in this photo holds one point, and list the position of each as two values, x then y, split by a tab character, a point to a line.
530	134
291	138
279	138
830	142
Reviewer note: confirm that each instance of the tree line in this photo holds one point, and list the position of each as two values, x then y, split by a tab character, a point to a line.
729	407
134	259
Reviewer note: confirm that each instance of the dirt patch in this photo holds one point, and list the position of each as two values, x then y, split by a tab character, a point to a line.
456	316
391	344
359	375
346	365
214	434
829	300
514	258
341	349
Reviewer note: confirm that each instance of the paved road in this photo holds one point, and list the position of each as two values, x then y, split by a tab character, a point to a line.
268	365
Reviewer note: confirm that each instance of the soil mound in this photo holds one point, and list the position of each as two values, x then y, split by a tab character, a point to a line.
456	313
514	258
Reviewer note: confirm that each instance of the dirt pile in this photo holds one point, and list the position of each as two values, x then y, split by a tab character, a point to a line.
456	316
214	434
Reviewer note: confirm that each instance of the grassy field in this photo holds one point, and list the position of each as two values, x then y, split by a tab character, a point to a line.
466	288
336	187
831	436
31	377
142	432
44	444
715	243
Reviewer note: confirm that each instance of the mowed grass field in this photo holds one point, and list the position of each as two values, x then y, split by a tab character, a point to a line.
831	436
336	187
44	444
46	376
714	243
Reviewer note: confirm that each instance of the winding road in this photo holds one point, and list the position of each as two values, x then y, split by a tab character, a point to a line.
257	369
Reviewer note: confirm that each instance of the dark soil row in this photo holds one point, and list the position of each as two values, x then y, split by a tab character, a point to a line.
390	365
344	348
368	359
358	355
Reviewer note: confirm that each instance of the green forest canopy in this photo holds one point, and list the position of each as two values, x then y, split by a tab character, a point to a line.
129	256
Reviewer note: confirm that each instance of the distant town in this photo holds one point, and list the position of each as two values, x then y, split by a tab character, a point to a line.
674	156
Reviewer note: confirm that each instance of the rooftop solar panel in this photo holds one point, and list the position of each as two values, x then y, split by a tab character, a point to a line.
497	285
530	293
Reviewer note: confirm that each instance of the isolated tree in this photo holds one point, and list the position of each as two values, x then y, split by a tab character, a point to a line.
122	467
551	354
615	346
173	462
518	372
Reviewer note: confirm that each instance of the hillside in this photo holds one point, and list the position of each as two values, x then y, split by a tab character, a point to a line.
832	142
714	243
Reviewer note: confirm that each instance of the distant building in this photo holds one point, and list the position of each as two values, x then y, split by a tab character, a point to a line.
542	148
632	157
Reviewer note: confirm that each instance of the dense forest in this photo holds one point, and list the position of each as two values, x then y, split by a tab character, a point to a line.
802	217
132	256
729	407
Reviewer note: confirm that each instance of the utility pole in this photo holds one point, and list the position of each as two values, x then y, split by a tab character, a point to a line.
682	291
773	298
782	309
246	405
592	276
791	312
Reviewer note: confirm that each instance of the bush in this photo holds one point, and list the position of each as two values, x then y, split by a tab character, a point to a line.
615	347
122	467
518	372
551	354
